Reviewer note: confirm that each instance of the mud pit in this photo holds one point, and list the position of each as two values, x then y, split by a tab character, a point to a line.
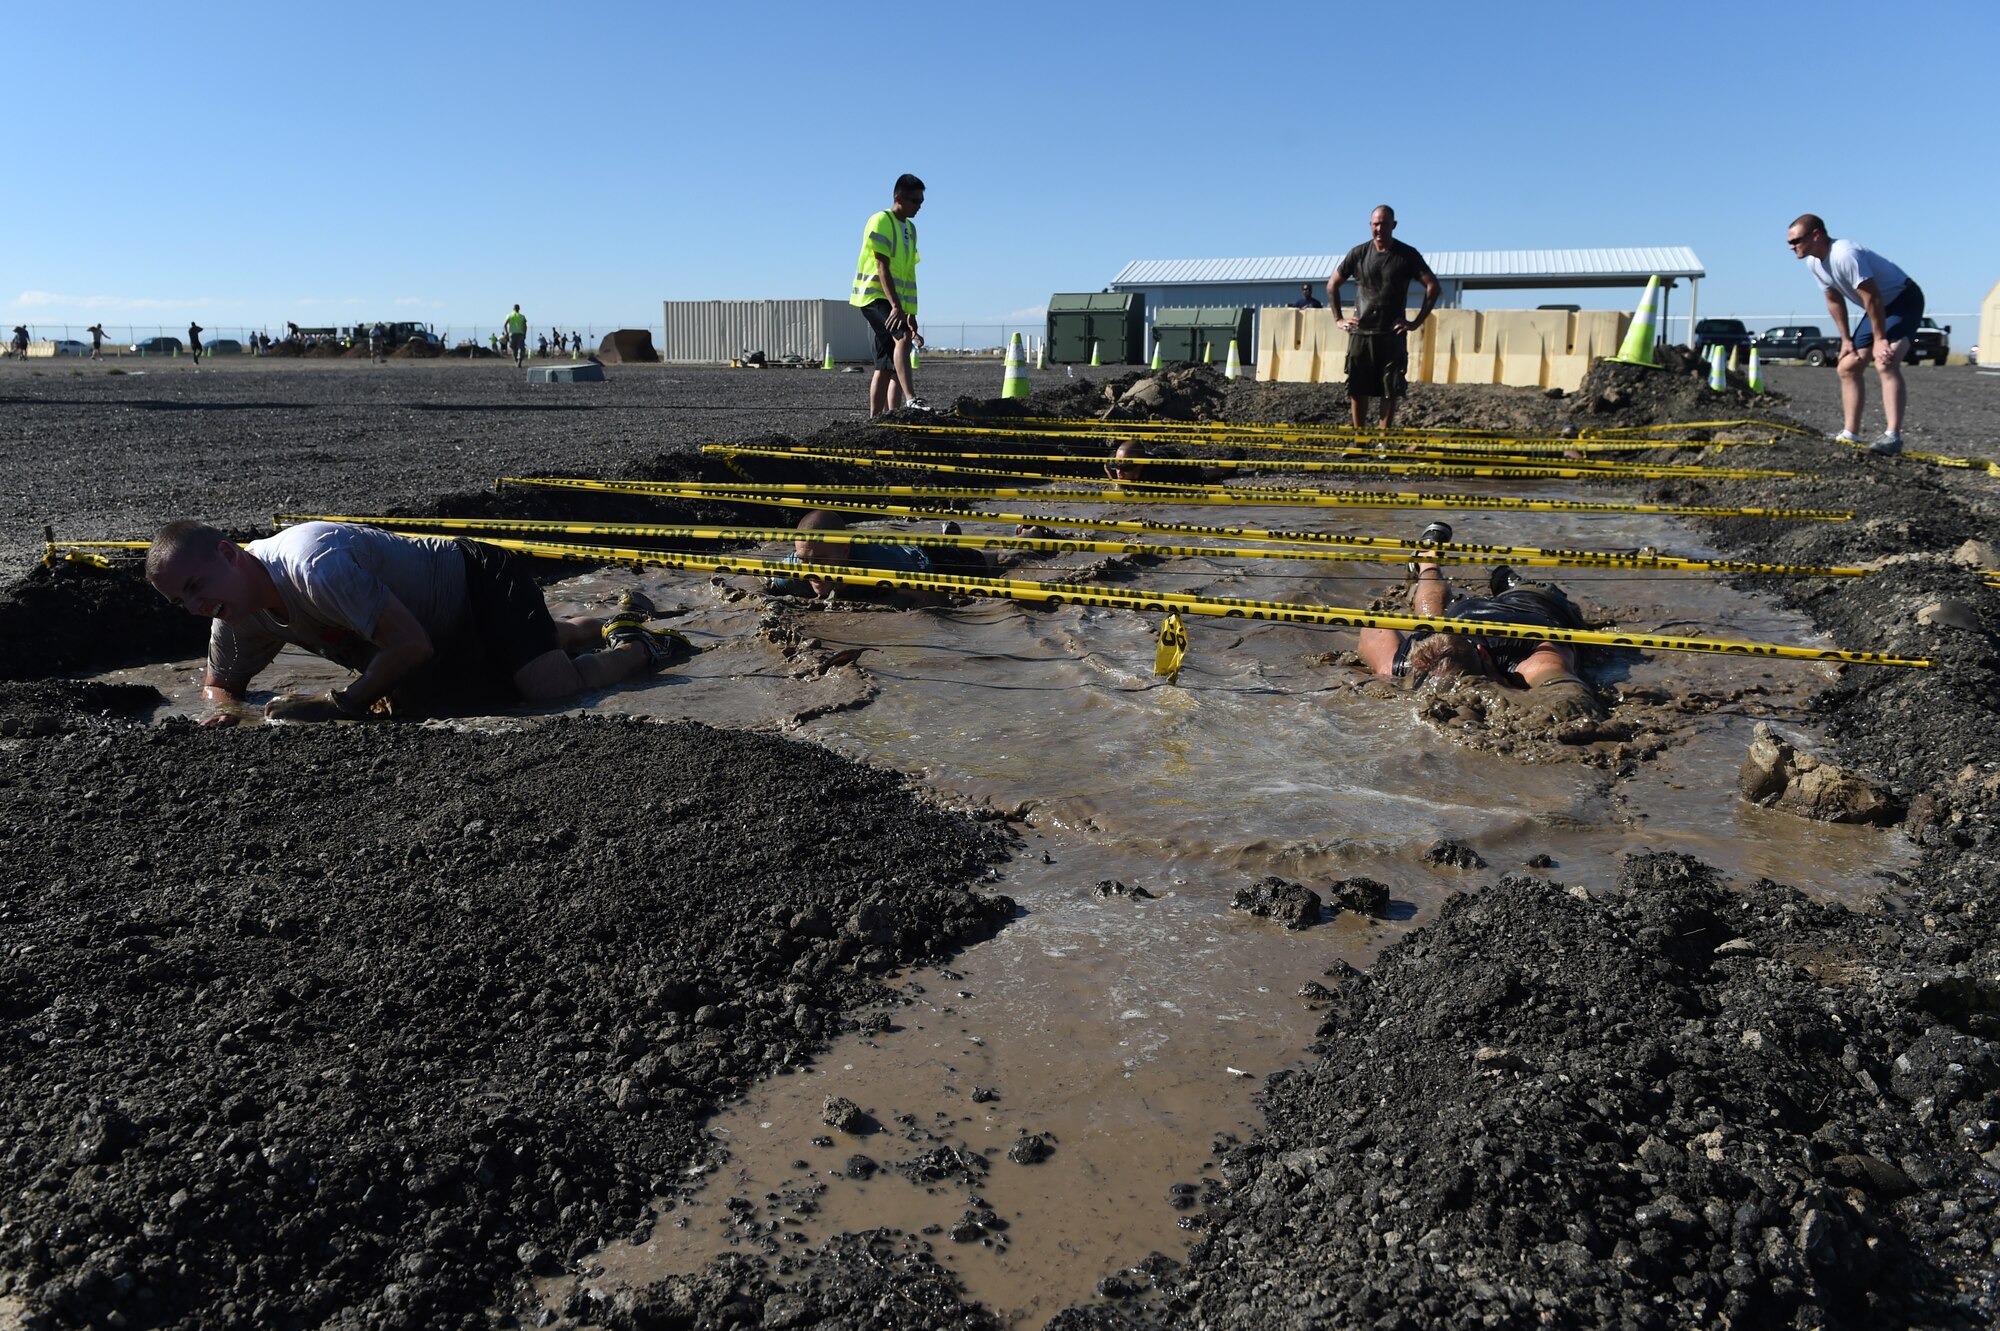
1104	1021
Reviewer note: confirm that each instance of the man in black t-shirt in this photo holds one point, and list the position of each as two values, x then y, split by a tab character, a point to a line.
1306	300
1378	352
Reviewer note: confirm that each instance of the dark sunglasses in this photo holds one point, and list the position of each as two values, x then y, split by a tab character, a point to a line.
1799	240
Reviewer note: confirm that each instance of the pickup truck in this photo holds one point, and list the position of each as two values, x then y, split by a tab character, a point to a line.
1798	342
1724	333
1930	343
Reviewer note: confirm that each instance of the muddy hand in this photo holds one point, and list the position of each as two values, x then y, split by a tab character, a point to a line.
308	707
1558	699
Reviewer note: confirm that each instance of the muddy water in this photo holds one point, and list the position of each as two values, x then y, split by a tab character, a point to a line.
1129	1030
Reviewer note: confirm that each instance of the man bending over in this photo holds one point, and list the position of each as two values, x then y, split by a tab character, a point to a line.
423	618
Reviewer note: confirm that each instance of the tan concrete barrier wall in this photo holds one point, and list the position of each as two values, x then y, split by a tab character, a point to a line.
1524	348
1989	327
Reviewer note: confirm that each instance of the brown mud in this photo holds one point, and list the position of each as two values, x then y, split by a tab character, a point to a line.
374	1026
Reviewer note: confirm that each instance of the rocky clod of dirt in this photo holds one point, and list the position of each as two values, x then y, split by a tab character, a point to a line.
1778	774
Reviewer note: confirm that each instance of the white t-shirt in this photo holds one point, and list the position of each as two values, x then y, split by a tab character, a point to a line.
335	578
1848	265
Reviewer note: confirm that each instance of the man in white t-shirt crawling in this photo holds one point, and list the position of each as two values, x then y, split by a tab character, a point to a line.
1892	306
439	623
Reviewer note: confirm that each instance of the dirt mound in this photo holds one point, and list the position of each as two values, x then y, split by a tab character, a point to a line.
628	346
351	1055
1564	1110
72	619
415	349
1676	391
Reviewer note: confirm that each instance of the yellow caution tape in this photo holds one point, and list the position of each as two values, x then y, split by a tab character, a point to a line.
1364	455
1227	607
1274	429
78	552
1599	432
1392	466
1368	548
1172	650
1303	499
1236	435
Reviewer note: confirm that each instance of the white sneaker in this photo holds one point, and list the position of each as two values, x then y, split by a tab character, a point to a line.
1847	437
1888	445
918	404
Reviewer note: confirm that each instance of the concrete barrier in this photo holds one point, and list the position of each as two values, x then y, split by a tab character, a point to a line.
1524	348
1989	329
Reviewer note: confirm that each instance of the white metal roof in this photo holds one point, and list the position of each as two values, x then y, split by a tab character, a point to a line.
1471	267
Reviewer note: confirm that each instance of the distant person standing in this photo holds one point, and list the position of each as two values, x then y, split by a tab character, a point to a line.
1893	307
1378	352
19	346
1306	300
96	332
377	335
517	336
885	287
194	341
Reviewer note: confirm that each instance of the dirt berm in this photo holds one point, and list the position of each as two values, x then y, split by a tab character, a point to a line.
368	1027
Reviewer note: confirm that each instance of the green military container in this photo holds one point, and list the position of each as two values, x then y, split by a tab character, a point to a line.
1114	320
1204	333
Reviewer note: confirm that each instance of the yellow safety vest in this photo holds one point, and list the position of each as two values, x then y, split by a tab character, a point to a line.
896	237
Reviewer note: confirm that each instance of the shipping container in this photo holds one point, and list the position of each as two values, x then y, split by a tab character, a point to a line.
719	331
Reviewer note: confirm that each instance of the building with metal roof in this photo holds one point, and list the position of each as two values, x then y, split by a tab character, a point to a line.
1171	283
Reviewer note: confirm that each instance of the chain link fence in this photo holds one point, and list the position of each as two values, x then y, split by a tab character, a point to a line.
941	338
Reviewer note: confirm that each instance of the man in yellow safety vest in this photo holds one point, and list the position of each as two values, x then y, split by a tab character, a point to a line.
517	336
885	287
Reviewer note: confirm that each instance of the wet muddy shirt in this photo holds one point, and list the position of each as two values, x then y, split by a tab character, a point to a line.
335	579
1382	282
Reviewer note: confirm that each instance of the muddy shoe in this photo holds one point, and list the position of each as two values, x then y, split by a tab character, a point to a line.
1501	579
1438	533
663	646
1888	445
918	404
634	609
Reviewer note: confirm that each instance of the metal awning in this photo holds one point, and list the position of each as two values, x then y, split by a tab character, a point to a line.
1471	270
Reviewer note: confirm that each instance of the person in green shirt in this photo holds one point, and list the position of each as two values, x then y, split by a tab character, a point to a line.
885	289
517	336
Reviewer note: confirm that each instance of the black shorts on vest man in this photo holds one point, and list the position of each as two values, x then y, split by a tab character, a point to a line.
876	312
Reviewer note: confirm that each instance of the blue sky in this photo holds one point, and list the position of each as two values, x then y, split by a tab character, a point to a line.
245	164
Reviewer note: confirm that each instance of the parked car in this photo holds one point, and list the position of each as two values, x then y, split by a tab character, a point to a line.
1930	343
69	346
1724	333
223	346
157	346
1804	342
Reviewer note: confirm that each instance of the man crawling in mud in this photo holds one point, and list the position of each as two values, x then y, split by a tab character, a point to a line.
1544	672
877	556
424	619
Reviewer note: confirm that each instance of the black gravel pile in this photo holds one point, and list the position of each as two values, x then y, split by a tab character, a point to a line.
369	1024
1662	1105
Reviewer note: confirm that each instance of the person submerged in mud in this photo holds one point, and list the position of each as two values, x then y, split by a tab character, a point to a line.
884	557
424	619
1545	670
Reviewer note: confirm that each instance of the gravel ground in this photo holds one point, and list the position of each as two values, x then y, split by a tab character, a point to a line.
368	1026
1953	409
118	455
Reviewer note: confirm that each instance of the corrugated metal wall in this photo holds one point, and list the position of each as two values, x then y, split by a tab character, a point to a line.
720	330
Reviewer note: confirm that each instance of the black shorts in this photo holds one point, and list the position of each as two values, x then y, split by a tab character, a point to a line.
876	312
1378	364
507	625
